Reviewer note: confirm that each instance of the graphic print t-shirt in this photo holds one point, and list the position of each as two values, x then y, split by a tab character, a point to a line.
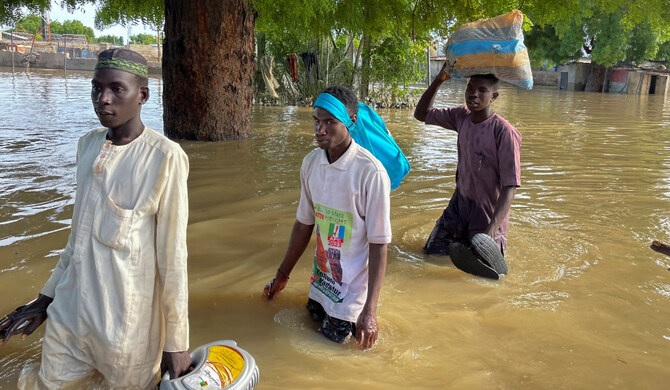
333	235
348	202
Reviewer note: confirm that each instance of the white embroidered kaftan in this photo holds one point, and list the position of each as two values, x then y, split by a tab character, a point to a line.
120	288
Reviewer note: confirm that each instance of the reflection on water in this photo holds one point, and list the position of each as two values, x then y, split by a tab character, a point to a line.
585	305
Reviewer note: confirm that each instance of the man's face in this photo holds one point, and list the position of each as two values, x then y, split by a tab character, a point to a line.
117	97
330	133
479	94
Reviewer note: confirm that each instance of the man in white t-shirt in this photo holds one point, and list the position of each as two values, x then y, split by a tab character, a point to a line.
345	194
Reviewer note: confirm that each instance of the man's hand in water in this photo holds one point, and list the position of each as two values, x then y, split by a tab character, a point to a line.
25	319
176	363
275	285
366	329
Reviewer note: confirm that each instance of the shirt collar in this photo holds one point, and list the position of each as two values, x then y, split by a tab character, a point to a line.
344	162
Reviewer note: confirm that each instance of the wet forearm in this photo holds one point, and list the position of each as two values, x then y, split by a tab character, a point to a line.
376	272
502	207
300	237
426	101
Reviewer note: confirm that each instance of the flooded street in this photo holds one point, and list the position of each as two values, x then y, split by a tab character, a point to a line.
586	303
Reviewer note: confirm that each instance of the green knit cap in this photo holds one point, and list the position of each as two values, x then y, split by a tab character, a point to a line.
124	60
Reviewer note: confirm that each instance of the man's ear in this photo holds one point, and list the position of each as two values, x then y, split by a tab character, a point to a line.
495	95
353	118
144	94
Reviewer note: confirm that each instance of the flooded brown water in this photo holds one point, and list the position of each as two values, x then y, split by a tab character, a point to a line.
586	304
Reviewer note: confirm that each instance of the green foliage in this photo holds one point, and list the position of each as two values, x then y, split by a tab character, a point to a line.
610	40
663	53
73	27
296	26
144	39
12	11
610	31
33	23
147	12
396	31
25	15
30	24
292	26
547	49
296	19
109	12
643	43
397	61
114	40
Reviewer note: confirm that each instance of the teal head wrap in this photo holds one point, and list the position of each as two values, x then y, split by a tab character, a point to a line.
336	108
370	132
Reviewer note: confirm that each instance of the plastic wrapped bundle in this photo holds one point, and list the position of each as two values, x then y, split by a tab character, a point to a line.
491	46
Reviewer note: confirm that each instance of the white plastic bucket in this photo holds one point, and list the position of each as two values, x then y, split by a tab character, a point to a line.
218	365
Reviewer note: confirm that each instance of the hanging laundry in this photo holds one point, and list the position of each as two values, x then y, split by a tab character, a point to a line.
311	62
271	84
293	66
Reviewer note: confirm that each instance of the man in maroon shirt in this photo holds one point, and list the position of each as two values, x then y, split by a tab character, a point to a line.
488	170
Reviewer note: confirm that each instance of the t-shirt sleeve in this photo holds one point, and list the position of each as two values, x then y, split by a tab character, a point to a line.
449	118
509	157
378	208
305	212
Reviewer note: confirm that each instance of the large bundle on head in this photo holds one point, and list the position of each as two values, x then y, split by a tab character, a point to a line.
491	46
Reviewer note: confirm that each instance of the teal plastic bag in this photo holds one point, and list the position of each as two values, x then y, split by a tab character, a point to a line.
371	133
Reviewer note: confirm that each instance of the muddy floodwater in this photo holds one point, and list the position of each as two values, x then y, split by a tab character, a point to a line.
586	304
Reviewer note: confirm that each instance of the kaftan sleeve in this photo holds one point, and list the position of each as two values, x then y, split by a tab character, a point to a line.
449	118
509	156
171	251
49	288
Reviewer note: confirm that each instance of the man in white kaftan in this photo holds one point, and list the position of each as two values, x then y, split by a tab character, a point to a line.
123	269
117	301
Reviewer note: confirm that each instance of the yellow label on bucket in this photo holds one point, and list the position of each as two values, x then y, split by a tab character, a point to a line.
227	362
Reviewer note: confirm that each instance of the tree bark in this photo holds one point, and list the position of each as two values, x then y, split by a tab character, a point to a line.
365	66
208	69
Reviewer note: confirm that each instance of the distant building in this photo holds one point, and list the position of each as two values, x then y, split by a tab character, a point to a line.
649	78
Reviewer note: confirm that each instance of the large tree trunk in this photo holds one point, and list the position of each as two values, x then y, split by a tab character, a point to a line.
365	66
208	68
